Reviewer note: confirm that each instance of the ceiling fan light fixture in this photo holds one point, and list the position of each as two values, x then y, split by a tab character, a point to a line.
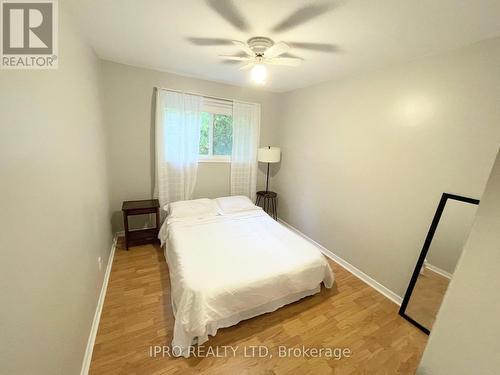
259	74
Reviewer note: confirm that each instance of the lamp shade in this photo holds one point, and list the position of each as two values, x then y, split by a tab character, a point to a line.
269	154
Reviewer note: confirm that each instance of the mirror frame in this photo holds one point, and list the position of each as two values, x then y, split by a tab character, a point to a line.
425	250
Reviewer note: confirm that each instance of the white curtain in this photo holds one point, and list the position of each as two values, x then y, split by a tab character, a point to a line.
177	143
246	130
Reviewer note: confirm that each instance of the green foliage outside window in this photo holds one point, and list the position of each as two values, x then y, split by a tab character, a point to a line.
218	130
223	135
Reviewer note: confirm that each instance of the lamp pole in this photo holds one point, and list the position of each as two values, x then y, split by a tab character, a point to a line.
267	179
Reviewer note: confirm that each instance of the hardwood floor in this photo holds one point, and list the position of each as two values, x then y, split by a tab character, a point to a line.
137	315
426	298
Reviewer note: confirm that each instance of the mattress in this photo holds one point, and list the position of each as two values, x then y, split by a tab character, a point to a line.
228	268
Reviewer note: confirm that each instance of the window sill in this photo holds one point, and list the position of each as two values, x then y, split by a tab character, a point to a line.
214	160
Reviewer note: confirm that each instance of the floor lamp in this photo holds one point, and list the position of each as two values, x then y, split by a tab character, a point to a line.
269	155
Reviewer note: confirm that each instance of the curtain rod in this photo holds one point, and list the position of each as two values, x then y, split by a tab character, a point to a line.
203	95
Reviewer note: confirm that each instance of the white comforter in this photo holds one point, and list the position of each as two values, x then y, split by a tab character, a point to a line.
233	267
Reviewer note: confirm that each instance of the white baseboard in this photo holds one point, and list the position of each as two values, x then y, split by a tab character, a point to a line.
97	316
349	267
438	270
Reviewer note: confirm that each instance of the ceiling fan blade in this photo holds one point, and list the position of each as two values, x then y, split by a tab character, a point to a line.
286	61
236	58
244	47
288	54
320	47
210	41
227	10
276	50
247	66
302	15
230	62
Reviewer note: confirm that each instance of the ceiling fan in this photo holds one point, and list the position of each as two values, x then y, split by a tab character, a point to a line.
260	51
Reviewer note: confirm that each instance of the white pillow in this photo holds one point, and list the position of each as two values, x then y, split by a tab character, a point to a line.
193	208
235	203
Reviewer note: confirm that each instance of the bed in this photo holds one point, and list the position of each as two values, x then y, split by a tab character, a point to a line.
233	264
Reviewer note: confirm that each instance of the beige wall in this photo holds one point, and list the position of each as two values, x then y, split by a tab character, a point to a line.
365	159
129	112
54	216
213	180
464	339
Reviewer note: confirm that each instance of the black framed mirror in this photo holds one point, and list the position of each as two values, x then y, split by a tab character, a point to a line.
442	248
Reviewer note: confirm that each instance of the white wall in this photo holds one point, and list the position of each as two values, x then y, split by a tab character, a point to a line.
54	210
465	338
129	111
365	159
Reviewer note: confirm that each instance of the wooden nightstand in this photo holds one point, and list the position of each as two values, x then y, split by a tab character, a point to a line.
144	207
269	200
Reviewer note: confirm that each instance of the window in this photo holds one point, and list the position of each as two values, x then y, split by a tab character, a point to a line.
216	134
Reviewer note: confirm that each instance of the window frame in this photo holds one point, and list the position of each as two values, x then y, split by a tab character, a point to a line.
214	158
214	109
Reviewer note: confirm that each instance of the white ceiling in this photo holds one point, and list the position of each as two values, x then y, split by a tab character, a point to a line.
367	34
